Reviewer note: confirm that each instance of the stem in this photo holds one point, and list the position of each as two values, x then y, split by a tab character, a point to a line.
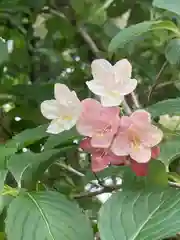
174	184
70	169
87	38
157	80
105	189
135	100
100	182
126	107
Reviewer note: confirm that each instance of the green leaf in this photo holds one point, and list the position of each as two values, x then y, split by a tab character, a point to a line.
5	153
3	174
78	5
26	163
46	215
4	51
170	106
138	215
2	236
131	33
172	51
60	139
170	150
170	5
28	136
157	175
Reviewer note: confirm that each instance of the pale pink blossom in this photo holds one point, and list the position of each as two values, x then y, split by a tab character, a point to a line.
100	157
111	83
64	110
98	122
136	137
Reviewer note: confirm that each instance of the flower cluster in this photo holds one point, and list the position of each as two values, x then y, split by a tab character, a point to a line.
108	137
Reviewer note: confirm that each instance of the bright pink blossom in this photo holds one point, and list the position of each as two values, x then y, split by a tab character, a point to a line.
98	122
136	137
100	157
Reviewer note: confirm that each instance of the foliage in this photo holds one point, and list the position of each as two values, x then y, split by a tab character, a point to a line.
48	190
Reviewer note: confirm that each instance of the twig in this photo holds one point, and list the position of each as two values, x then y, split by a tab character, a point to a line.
157	80
135	100
106	189
100	182
174	184
89	41
126	107
70	169
87	38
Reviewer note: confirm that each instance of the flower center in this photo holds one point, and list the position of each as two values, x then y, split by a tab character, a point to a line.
101	152
114	93
101	132
66	117
134	139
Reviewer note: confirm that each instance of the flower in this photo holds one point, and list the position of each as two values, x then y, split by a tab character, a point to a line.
136	137
111	83
98	122
171	123
141	169
64	110
100	157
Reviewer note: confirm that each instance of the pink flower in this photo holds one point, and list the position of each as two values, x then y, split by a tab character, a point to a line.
141	169
100	157
98	122
136	137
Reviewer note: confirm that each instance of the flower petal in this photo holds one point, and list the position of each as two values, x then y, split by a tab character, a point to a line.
110	100
62	93
151	136
155	151
99	162
102	140
87	121
55	127
125	123
140	169
50	109
141	118
96	87
117	160
102	70
121	145
140	154
122	70
127	86
59	125
85	144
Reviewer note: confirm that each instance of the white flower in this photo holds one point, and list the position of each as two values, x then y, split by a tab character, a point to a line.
171	123
64	110
111	83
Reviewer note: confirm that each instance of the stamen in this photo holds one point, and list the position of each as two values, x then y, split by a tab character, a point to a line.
135	141
67	117
101	132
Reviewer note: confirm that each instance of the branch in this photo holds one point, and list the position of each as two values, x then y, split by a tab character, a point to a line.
106	189
126	107
174	184
70	169
135	100
87	38
157	80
